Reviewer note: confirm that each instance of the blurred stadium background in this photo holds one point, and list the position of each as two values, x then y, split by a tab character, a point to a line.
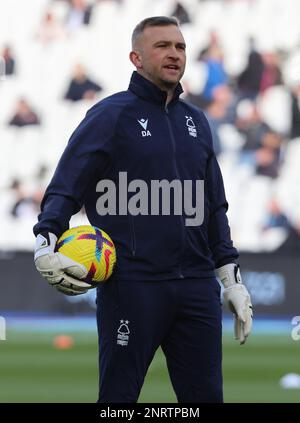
57	58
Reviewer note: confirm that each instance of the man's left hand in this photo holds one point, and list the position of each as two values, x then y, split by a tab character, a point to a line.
238	299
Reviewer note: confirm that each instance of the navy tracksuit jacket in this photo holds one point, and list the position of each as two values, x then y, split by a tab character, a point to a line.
134	132
108	141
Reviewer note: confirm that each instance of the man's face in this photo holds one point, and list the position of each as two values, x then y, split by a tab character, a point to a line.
160	55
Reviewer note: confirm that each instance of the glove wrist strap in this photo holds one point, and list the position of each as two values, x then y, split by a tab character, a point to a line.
229	274
45	244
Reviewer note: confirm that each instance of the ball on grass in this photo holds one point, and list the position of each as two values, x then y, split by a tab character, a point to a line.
63	342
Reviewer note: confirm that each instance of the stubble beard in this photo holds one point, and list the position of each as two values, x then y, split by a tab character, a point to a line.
163	84
170	85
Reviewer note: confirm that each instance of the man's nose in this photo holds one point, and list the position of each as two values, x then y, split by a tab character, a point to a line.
173	53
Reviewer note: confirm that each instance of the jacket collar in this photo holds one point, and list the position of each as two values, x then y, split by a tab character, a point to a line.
144	88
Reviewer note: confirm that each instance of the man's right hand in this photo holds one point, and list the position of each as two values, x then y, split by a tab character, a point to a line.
53	266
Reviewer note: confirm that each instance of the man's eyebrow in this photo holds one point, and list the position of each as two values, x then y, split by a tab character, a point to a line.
162	42
181	44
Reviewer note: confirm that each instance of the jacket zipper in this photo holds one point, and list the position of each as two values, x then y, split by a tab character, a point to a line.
205	244
177	175
132	234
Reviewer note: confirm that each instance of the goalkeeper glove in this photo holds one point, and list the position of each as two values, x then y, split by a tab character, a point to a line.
238	299
59	270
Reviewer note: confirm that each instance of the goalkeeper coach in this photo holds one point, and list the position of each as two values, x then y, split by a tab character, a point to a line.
164	290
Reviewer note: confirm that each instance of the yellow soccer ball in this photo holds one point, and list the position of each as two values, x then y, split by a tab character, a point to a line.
92	247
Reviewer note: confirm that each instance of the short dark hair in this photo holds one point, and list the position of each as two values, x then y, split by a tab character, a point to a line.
153	21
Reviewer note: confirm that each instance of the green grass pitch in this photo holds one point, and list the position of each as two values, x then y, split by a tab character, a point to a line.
32	370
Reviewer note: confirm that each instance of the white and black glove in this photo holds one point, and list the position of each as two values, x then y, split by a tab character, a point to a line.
238	299
59	270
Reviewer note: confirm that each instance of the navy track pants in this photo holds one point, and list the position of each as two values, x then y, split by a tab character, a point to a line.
182	316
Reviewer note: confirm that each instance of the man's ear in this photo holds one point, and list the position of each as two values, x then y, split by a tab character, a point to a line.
134	57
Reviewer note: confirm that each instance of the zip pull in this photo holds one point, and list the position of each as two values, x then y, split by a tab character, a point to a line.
166	109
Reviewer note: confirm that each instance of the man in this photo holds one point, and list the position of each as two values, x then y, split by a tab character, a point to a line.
164	291
81	87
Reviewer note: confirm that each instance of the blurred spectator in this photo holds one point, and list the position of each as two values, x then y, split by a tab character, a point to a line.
249	80
268	155
50	29
79	14
292	242
42	176
271	74
212	56
250	124
295	104
262	146
25	205
275	217
9	61
24	115
42	173
181	13
195	98
217	112
81	87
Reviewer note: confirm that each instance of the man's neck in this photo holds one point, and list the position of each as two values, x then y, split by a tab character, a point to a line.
170	92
